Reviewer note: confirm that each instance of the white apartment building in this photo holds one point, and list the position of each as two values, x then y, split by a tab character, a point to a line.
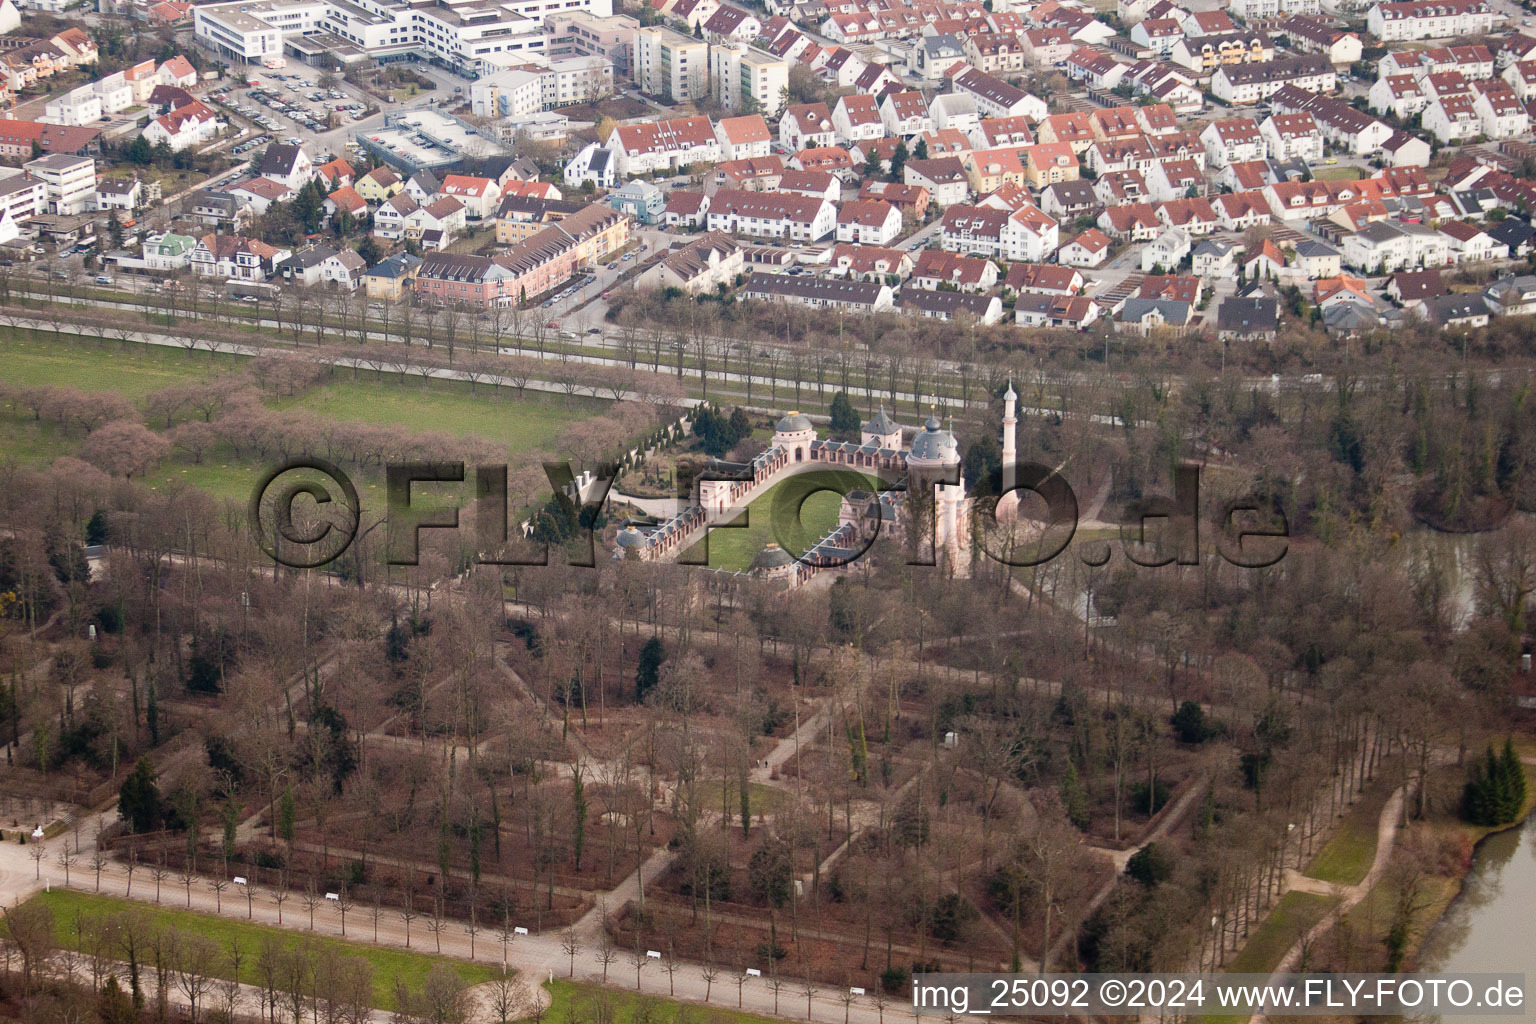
671	65
68	181
740	74
472	36
22	195
1430	19
1252	10
515	92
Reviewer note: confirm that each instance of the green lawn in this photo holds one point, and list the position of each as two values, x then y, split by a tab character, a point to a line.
1292	917
1338	174
648	1007
524	424
1347	857
785	514
388	963
33	359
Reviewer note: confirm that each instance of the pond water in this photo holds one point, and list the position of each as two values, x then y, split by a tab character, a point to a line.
1488	926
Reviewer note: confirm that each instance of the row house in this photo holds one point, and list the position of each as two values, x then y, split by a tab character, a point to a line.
944	178
956	113
664	145
744	138
1159	35
1174	179
1203	55
1239	211
772	215
1502	114
1401	95
1068	200
857	118
1115	188
806	125
1346	127
816	184
1131	222
1293	137
936	269
947	306
1430	19
905	114
1385	247
699	267
995	97
870	263
995	52
1313	35
1232	140
818	293
1046	278
998	132
1250	83
1047	47
1096	69
868	222
1195	217
1473	62
1120	155
1270	10
1073	129
1076	313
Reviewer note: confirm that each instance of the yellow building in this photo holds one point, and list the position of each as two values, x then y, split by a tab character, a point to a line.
378	185
391	279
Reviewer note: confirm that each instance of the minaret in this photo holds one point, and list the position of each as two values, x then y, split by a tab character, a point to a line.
1010	433
1007	503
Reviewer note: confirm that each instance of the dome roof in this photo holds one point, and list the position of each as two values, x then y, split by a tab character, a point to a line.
1009	396
882	424
629	537
771	557
934	444
793	422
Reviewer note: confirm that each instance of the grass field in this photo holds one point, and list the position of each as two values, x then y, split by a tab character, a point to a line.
784	514
33	360
388	964
646	1008
524	424
1338	173
1347	856
1292	917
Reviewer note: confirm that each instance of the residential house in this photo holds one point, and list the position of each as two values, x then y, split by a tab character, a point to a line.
390	279
936	268
984	309
805	125
1248	318
868	222
817	293
772	215
1088	249
698	268
944	178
